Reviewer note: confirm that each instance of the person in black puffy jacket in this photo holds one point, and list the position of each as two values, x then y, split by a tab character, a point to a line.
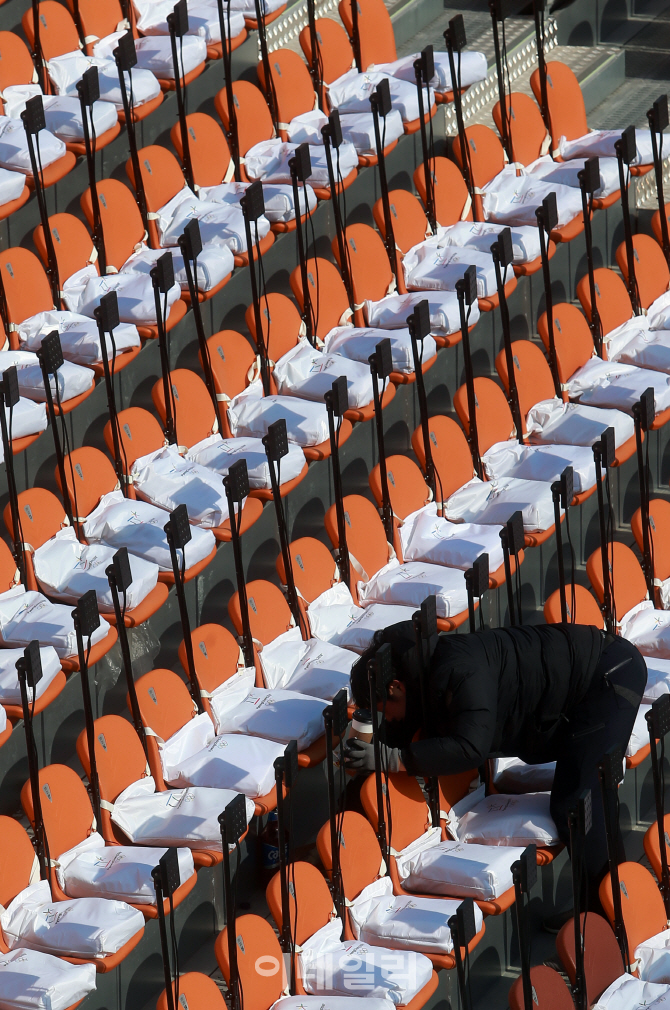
561	692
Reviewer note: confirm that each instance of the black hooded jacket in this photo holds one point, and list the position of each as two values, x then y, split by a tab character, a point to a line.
502	692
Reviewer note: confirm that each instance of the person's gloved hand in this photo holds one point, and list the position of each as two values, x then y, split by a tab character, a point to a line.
360	756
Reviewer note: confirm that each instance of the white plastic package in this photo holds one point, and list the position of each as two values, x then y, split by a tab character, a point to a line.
540	462
79	337
565	173
472	66
481	236
359	343
358	128
66	70
658	679
503	820
30	980
25	616
408	585
9	681
425	536
431	866
62	113
351	92
72	379
251	413
135	297
315	668
154	54
600	144
306	372
494	501
639	736
511	199
215	262
335	618
14	153
630	993
277	197
512	775
28	418
391	313
268	161
220	224
648	629
575	423
219	454
616	385
431	266
654	958
244	764
12	185
166	479
203	20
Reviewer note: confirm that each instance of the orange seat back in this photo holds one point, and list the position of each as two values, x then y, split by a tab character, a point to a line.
360	855
652	848
450	451
409	814
659	535
88	474
72	244
140	434
494	418
280	324
26	284
58	34
651	270
549	990
586	609
371	274
215	654
641	903
291	82
526	127
532	373
314	569
269	613
375	31
258	948
336	54
17	858
192	406
309	895
199	992
66	808
9	573
121	220
602	958
16	64
118	754
231	356
254	122
630	587
164	701
327	293
572	338
41	515
451	193
161	175
407	488
98	19
612	299
407	219
208	147
567	114
454	788
366	538
487	157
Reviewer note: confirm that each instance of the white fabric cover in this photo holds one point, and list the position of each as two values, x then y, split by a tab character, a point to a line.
565	173
335	618
251	413
166	479
14	147
79	337
648	629
175	817
351	93
351	967
66	569
630	993
66	70
203	20
122	872
137	525
315	668
72	379
135	296
512	775
391	313
31	980
219	454
503	820
512	199
62	113
358	129
25	616
658	679
215	262
240	707
432	266
472	69
268	161
432	866
408	585
154	54
277	197
552	421
404	923
82	927
494	501
12	185
600	143
220	224
481	236
249	7
615	385
540	462
658	313
654	958
358	343
639	737
28	418
306	372
645	347
194	756
425	536
9	681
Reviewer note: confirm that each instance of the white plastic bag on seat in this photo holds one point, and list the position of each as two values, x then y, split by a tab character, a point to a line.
12	185
358	128
391	313
25	616
512	199
31	980
203	20
648	629
79	337
166	479
306	372
431	266
215	262
358	343
137	525
277	197
472	67
176	817
122	872
408	585
62	113
268	161
646	348
244	764
28	418
66	569
154	54
425	536
481	236
81	927
335	618
552	421
9	680
540	462
618	386
600	144
654	958
350	967
494	501
639	736
630	993
658	679
66	70
219	454
240	707
334	1002
220	224
351	93
315	668
512	775
135	296
251	413
565	173
72	379
402	922
14	153
504	820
